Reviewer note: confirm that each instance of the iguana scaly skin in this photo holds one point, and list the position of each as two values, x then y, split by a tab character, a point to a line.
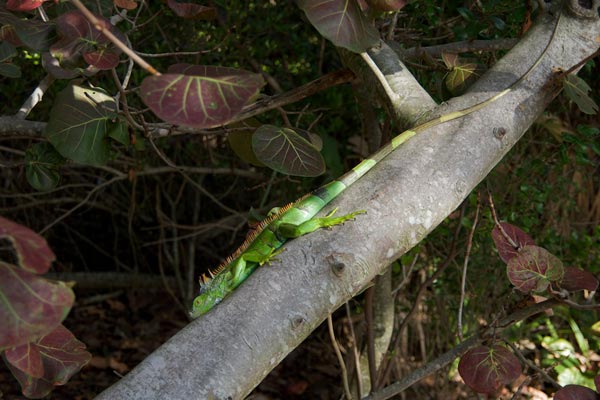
298	218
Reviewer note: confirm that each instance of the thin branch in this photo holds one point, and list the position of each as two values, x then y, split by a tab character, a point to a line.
465	46
35	97
531	365
115	40
338	353
355	352
448	357
380	77
369	305
463	281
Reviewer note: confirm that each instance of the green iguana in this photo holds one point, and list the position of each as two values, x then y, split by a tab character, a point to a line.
298	218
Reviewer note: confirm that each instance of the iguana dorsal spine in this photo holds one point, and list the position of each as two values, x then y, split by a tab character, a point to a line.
298	218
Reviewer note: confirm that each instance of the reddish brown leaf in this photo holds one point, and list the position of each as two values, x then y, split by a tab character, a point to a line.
31	249
506	249
61	354
484	369
30	306
79	36
24	5
102	59
533	269
576	392
597	383
126	4
577	279
26	358
191	10
200	96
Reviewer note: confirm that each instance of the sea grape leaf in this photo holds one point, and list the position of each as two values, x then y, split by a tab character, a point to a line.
32	250
506	249
32	33
103	59
10	70
450	59
79	122
24	5
576	279
597	383
533	269
577	90
200	96
8	33
342	22
78	37
126	4
387	5
30	306
459	75
484	369
7	51
58	356
191	10
42	164
576	392
285	151
52	65
240	140
26	358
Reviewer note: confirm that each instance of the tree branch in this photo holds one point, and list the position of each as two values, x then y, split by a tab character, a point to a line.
228	351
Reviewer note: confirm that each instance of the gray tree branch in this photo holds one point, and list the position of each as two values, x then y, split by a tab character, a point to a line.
227	352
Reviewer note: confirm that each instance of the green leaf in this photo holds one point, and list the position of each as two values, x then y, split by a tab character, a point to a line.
240	140
342	22
42	163
285	151
456	79
10	70
79	124
118	131
7	51
577	90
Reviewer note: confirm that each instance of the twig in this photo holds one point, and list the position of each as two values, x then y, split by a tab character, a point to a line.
497	223
380	77
448	357
370	335
463	281
35	97
359	382
531	365
82	202
115	40
338	353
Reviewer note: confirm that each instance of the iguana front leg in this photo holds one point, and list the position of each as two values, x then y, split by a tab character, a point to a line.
290	231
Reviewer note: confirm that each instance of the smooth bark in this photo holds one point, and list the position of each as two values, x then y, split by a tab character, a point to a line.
226	353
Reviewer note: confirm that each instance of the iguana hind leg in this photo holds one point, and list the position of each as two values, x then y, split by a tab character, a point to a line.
291	231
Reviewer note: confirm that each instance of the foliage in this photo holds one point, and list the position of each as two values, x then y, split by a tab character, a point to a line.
40	352
99	122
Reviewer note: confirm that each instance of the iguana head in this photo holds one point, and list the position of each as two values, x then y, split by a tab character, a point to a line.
203	303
